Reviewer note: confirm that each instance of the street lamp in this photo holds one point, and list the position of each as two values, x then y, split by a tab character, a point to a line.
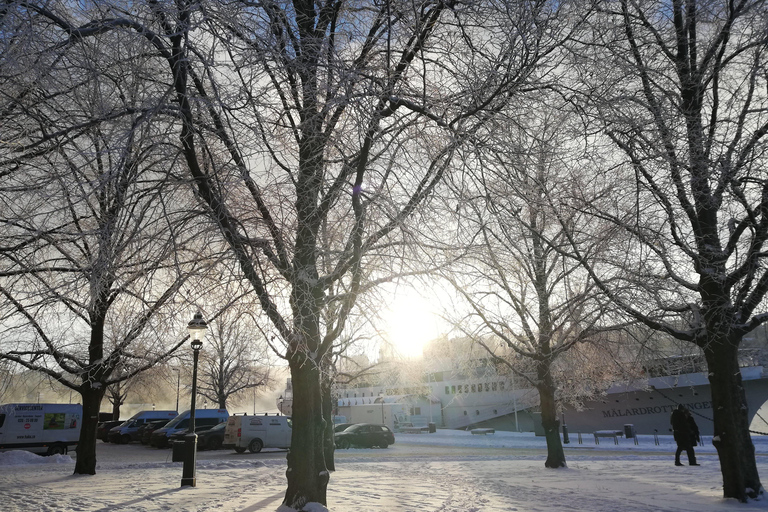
178	385
196	328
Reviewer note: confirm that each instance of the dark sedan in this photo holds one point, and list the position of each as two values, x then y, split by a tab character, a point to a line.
102	430
212	438
145	431
366	435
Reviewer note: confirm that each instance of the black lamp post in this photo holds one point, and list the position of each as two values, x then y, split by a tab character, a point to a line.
197	328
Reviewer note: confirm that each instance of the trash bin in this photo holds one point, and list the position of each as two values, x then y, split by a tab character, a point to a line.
178	451
432	427
629	431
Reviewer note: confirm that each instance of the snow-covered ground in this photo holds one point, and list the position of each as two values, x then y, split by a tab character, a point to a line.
450	471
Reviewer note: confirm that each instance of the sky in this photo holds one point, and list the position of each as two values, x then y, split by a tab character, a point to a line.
449	471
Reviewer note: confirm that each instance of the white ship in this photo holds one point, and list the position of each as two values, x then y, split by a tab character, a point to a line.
481	398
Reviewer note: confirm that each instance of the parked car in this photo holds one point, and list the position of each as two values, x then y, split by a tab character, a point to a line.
366	435
340	427
179	436
145	431
128	431
253	433
213	438
180	423
102	429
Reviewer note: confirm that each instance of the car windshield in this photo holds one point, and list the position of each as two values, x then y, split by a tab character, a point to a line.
220	426
175	421
353	428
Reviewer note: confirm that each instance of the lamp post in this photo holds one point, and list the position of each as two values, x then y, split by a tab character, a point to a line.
197	328
178	385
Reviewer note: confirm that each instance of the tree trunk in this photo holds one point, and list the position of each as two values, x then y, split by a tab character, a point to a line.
116	409
307	473
730	414
86	444
549	421
328	439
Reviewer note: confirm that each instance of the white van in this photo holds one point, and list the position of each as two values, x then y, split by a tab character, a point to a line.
40	428
257	432
127	431
203	418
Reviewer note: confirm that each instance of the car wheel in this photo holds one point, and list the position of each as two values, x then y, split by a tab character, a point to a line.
57	449
385	445
239	449
255	446
343	444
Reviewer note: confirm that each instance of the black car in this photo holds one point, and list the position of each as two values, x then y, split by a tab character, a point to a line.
366	435
102	430
212	438
145	431
179	436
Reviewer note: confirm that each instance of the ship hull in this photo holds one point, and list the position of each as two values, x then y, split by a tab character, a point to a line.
648	407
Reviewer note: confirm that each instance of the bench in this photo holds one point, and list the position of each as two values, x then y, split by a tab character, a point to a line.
482	431
615	434
414	430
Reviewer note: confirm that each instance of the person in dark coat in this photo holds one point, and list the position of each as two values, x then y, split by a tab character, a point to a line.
686	434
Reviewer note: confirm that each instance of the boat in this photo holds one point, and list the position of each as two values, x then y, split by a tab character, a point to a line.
480	397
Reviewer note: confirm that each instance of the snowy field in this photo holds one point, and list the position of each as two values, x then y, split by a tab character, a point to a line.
450	471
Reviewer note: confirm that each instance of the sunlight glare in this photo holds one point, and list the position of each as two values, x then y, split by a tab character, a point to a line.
411	322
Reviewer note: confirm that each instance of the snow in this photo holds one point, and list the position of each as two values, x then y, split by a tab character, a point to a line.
449	471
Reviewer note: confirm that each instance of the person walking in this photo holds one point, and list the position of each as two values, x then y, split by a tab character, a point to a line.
686	434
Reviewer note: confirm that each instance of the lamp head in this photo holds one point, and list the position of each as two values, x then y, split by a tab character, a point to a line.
197	328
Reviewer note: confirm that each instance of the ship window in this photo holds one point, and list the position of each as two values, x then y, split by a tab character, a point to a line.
495	386
447	390
473	388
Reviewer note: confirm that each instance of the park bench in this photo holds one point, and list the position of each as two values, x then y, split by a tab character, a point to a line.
414	430
482	431
615	434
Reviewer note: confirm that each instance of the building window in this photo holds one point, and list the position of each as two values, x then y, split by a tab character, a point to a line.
477	413
459	388
453	390
501	386
417	411
466	388
487	387
465	413
447	390
473	388
495	386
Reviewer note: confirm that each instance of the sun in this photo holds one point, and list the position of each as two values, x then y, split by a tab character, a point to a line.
410	322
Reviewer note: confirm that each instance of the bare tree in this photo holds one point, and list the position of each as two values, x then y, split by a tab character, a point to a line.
294	118
518	286
681	95
94	249
235	359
